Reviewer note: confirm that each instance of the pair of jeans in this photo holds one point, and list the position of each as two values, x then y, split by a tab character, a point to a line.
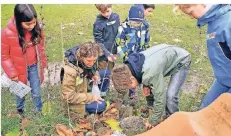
105	81
91	108
214	92
33	78
176	82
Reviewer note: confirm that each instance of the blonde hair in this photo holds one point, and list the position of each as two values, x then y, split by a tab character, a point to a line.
121	77
89	49
103	7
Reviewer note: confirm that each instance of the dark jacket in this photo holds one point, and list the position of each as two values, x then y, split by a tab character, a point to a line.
105	31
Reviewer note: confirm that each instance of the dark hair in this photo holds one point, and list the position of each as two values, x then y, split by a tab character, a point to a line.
26	13
146	6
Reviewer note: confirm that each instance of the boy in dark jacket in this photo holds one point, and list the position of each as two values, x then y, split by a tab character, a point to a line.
218	18
105	31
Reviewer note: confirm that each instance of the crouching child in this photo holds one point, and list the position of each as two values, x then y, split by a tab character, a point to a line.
149	68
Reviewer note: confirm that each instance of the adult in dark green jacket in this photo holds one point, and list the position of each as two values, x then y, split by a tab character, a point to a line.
149	69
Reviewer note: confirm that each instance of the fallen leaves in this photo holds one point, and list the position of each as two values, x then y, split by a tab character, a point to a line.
25	122
63	131
78	129
85	126
114	124
114	110
110	107
108	120
12	115
110	113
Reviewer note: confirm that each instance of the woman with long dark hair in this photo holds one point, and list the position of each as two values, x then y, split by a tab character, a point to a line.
23	55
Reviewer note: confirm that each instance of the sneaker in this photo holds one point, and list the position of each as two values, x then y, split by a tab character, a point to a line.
20	112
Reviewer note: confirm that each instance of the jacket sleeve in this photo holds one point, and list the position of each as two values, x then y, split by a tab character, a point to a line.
147	38
7	64
44	61
69	88
121	42
159	92
121	37
98	36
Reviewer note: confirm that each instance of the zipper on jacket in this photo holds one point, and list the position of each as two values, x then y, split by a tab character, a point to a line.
25	58
38	62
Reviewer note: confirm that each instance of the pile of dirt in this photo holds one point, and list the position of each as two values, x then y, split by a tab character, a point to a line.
132	125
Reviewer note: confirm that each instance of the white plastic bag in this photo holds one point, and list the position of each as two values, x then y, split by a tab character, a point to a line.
95	90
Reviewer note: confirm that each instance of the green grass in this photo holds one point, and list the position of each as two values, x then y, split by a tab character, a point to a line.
165	26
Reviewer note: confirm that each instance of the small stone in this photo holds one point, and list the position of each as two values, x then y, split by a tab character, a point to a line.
117	133
80	33
91	134
177	40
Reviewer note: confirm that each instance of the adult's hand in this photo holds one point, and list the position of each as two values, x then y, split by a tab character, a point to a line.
97	98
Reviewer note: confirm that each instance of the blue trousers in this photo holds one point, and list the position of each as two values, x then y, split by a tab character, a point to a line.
91	108
105	81
34	80
176	82
214	92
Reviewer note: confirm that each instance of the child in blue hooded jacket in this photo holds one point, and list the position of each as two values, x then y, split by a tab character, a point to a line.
218	18
133	35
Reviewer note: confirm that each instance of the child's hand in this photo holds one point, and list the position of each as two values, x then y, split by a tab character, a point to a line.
97	98
146	91
15	79
112	58
148	125
115	56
